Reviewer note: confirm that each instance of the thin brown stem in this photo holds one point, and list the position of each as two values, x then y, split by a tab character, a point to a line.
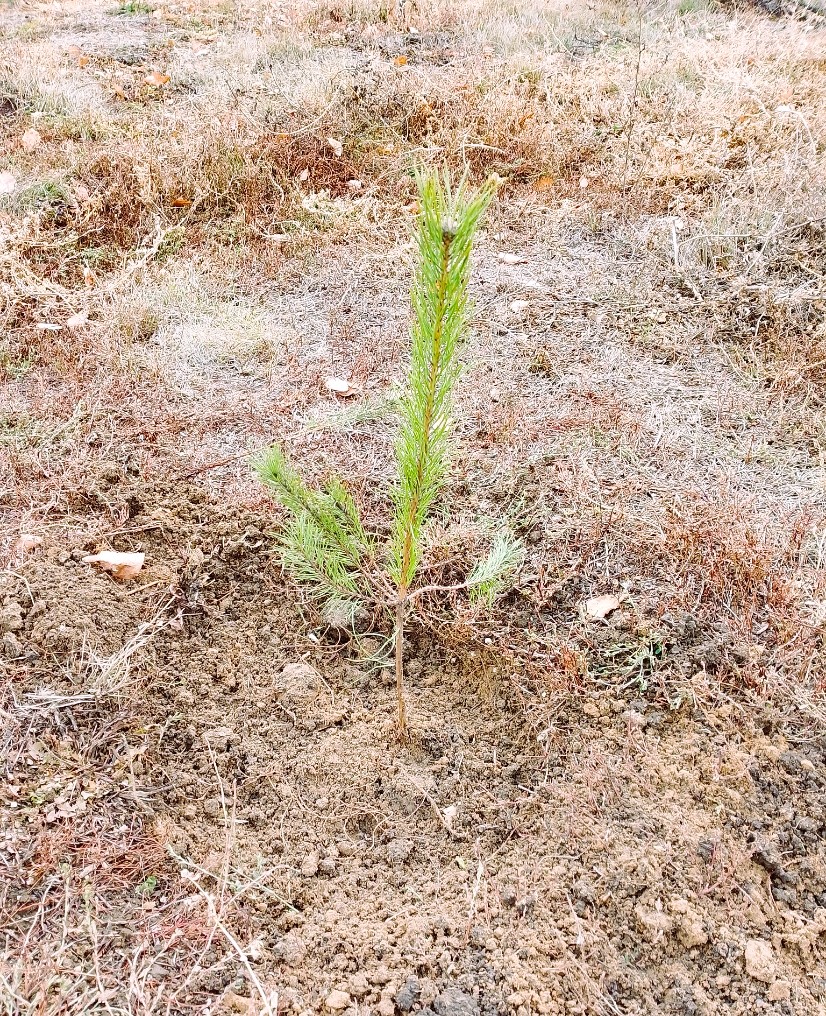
401	605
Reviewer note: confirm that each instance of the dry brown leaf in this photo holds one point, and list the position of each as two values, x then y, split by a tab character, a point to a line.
599	607
31	139
77	320
336	146
7	183
25	543
82	60
544	183
123	566
89	277
339	386
181	203
400	61
157	79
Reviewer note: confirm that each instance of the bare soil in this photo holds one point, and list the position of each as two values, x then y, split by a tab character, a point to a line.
204	807
621	861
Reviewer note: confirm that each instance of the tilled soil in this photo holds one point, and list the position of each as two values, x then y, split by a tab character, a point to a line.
630	855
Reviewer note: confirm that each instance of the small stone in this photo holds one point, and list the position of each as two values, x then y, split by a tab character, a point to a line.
346	848
408	995
780	991
11	647
760	961
327	866
455	1002
189	811
11	617
309	866
337	1000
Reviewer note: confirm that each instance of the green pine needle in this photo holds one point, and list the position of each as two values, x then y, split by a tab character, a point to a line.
324	542
447	223
490	575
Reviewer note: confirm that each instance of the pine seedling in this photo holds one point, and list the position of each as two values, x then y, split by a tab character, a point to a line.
324	543
447	224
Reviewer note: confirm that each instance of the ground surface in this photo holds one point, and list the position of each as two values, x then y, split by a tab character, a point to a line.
205	212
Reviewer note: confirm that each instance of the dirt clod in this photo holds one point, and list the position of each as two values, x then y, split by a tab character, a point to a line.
760	960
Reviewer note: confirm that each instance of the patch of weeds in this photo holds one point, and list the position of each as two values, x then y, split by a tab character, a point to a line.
172	242
17	431
13	367
74	127
686	7
630	663
31	30
49	197
132	7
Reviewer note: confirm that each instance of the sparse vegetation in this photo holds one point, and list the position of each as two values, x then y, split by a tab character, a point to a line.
613	798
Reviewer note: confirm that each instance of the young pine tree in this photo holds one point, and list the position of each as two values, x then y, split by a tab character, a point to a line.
324	543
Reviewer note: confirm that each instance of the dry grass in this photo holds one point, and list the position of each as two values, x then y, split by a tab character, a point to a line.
645	394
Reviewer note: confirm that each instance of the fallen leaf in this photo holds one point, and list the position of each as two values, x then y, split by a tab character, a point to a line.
599	607
304	175
77	320
400	61
181	203
82	60
517	306
81	193
583	182
511	259
354	185
119	92
7	183
156	79
47	326
123	566
25	543
544	183
339	386
31	139
336	146
89	276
